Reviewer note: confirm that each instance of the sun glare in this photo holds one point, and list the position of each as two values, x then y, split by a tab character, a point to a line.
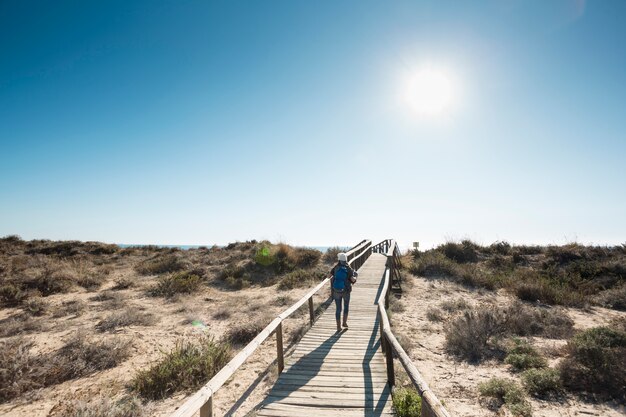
429	92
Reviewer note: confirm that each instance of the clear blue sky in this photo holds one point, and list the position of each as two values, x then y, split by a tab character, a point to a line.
196	122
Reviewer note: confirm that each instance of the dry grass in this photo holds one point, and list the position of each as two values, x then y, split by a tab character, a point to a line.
69	308
129	316
20	324
242	333
22	371
103	407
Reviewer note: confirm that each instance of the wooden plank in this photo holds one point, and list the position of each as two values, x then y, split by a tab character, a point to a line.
288	410
322	403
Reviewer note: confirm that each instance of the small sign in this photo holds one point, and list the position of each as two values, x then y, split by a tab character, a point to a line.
416	245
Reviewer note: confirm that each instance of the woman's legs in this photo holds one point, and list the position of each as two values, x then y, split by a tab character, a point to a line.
346	308
338	297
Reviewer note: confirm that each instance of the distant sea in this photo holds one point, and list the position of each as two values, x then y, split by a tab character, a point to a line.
322	249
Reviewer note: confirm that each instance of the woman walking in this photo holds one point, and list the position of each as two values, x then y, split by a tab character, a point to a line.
342	278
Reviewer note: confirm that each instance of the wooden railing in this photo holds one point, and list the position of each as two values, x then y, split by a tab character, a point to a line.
393	261
203	399
431	406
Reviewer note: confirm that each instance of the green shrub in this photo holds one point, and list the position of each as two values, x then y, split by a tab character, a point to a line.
186	367
464	252
160	265
407	402
434	264
542	383
509	393
522	355
178	283
595	363
299	278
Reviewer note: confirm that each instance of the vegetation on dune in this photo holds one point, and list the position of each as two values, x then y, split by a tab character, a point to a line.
506	392
596	363
566	275
189	365
407	402
22	371
177	283
523	356
476	333
103	407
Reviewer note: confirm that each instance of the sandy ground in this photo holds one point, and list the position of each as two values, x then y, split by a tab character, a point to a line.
174	319
456	383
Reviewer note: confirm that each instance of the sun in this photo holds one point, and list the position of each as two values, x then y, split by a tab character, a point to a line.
429	92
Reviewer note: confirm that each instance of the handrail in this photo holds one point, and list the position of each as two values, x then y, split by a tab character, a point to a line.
431	406
203	398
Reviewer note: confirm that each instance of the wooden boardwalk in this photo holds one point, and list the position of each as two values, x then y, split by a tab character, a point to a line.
334	374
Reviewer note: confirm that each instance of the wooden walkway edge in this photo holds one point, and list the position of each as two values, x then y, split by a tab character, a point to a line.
338	374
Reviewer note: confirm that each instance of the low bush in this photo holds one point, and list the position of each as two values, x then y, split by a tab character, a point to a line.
80	357
177	283
434	264
16	365
35	306
469	336
91	280
464	252
595	363
523	356
189	365
123	283
525	320
129	316
435	314
542	383
104	407
299	278
243	332
71	307
12	294
509	393
407	402
330	256
161	264
452	306
613	298
20	324
222	313
22	371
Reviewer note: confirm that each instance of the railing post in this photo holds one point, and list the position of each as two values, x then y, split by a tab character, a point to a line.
279	348
380	327
391	377
207	409
311	310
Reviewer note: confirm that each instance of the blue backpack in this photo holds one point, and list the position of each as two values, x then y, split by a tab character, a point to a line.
341	278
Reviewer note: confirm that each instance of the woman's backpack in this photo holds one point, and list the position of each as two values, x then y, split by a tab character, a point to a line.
341	278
